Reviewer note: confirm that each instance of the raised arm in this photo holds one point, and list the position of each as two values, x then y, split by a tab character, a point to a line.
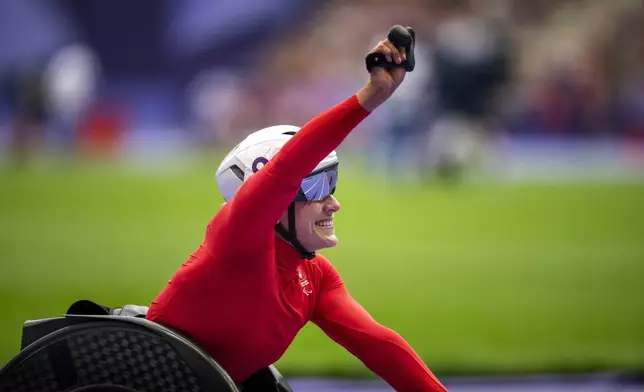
246	221
381	349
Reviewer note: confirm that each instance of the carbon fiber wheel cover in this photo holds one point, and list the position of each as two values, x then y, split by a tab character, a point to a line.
135	360
32	375
142	362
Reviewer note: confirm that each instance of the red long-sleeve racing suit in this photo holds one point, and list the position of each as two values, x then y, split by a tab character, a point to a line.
244	294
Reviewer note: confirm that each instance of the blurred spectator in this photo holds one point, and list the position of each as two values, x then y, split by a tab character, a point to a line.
100	131
70	83
471	62
30	115
215	100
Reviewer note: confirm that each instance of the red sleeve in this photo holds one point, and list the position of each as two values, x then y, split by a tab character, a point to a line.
246	222
382	350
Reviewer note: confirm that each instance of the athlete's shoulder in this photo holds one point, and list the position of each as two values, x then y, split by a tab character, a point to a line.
321	262
327	275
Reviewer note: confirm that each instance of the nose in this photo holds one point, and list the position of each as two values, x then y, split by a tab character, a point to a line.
331	205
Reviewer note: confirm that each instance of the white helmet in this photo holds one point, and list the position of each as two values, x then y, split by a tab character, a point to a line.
254	152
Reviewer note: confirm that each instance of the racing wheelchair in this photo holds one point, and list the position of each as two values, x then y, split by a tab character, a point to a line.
94	348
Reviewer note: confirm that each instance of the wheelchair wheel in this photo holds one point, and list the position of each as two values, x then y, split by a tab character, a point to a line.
112	355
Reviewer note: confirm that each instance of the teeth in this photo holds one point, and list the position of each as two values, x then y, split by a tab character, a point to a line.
325	223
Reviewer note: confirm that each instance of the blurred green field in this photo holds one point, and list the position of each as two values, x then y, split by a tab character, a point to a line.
478	278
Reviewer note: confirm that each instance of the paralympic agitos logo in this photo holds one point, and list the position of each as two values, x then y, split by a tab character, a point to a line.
257	162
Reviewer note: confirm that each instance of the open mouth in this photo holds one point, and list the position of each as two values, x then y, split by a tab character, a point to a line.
325	223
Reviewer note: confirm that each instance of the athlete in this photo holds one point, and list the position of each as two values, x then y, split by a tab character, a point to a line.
256	280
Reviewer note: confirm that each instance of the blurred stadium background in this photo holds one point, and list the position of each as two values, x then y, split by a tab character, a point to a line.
499	195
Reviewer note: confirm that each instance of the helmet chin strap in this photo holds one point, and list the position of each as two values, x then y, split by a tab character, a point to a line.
291	235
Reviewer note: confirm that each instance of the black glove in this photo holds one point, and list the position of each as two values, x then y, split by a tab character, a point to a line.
401	37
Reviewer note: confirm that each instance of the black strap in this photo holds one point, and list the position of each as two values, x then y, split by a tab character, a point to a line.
291	220
291	235
401	37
